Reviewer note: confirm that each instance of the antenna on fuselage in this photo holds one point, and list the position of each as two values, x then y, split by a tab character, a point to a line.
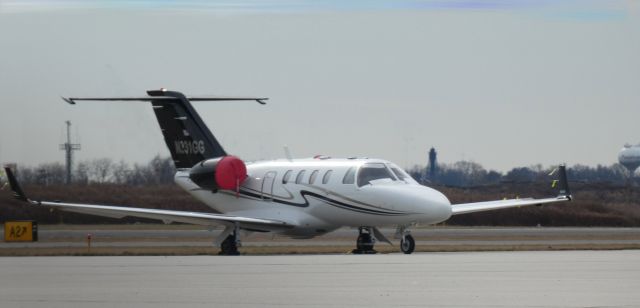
287	153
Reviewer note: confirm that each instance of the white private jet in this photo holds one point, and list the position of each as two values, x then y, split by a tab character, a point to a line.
299	198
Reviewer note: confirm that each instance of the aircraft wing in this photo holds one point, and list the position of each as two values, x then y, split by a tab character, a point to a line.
167	216
464	208
565	195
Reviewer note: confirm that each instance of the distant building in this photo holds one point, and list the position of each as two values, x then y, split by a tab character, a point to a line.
432	168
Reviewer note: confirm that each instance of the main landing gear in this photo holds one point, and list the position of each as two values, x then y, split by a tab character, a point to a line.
365	242
229	246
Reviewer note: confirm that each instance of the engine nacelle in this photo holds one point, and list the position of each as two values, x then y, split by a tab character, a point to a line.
227	172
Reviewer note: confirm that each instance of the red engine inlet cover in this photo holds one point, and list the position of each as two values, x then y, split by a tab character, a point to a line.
230	172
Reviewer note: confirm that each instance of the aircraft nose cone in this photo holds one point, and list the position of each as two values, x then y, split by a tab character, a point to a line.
443	206
421	204
436	206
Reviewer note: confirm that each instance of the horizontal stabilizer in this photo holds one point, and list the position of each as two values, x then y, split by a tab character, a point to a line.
187	136
73	100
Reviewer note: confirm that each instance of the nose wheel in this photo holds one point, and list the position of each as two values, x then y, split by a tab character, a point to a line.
407	244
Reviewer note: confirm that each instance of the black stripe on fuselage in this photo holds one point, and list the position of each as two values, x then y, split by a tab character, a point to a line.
329	201
347	206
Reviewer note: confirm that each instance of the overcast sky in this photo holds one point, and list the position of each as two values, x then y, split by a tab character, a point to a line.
501	83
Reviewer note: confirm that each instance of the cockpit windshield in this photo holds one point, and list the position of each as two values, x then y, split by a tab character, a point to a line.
401	174
372	172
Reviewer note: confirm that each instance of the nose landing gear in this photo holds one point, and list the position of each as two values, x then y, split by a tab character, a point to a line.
407	244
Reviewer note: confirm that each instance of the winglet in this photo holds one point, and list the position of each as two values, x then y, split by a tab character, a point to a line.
563	183
15	186
68	100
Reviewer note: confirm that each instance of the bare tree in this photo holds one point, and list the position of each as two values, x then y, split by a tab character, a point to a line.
162	170
50	173
81	174
100	170
121	172
140	175
26	175
472	171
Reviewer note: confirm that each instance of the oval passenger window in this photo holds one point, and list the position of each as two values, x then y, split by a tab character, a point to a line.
326	177
313	176
299	177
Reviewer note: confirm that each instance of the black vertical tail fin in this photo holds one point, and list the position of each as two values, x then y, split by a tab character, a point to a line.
187	137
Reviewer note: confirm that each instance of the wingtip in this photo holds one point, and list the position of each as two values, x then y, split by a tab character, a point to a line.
15	185
564	182
68	100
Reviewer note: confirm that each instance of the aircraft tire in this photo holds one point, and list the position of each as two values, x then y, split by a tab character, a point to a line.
408	244
364	242
229	247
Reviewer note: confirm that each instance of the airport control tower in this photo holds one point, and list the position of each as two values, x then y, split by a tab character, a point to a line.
432	169
629	157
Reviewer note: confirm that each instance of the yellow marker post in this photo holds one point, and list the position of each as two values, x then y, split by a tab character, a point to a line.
21	231
89	235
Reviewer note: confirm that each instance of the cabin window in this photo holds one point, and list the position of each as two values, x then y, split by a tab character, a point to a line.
299	177
287	176
373	171
313	176
350	176
326	177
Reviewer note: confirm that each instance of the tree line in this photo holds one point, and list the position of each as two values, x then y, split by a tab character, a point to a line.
470	174
160	170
